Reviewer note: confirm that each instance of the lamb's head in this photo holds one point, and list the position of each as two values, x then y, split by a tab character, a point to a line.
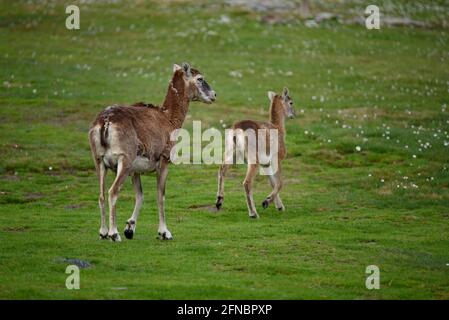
283	100
197	87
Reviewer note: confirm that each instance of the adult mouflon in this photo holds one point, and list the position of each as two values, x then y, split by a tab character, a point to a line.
131	140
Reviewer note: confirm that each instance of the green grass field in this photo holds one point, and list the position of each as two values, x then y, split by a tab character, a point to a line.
366	176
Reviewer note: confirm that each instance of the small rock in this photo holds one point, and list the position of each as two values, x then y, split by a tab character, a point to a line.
402	21
311	24
80	263
325	16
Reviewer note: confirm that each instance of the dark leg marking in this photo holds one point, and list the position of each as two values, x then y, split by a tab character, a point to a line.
114	237
163	236
219	202
129	233
265	203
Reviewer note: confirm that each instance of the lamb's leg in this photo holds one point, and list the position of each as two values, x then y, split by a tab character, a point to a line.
101	172
130	226
274	193
123	168
162	171
277	199
248	184
220	193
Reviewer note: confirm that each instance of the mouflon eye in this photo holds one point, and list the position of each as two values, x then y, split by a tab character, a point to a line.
200	80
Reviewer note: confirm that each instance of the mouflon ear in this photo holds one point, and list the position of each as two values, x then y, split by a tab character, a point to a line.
285	92
186	69
271	95
176	67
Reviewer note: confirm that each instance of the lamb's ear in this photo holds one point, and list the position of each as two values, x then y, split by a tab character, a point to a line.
285	92
176	67
271	95
186	69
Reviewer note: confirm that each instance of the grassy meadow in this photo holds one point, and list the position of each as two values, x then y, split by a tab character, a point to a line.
366	178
